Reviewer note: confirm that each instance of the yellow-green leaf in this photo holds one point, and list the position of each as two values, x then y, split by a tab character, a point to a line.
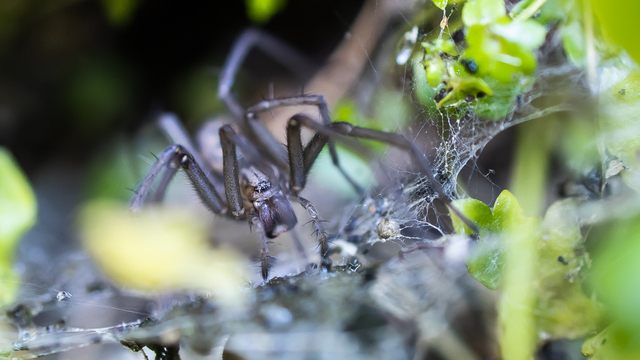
441	4
620	124
481	12
474	210
619	18
616	272
161	249
261	11
17	215
487	260
614	342
563	309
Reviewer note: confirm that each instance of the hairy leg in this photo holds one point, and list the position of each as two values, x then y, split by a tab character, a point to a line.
265	259
323	242
278	50
179	155
314	100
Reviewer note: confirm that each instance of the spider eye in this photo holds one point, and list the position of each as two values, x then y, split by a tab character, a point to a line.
263	186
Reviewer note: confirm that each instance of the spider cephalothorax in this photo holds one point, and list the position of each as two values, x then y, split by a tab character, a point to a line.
273	207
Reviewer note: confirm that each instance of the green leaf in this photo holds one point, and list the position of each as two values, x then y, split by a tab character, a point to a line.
620	125
261	11
482	12
614	342
563	309
503	100
474	210
548	257
463	86
504	58
441	4
616	272
505	256
619	20
574	42
17	215
485	265
423	91
507	211
528	34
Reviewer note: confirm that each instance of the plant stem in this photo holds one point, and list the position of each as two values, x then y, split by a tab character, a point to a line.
531	164
529	11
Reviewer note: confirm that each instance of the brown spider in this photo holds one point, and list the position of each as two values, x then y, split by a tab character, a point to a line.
259	186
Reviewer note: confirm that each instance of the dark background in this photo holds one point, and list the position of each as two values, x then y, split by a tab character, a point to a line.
71	78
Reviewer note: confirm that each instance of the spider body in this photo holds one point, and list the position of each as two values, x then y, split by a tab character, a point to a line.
260	185
267	200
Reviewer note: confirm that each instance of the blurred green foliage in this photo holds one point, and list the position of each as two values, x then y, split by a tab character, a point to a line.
487	263
18	213
261	11
100	93
197	96
442	4
486	74
176	252
531	164
620	124
618	19
483	12
120	12
615	342
616	272
504	50
112	171
544	259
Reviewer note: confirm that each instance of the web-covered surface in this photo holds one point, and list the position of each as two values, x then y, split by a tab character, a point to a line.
452	142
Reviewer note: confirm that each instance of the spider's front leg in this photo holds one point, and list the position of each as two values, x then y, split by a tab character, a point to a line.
271	213
169	159
300	161
265	258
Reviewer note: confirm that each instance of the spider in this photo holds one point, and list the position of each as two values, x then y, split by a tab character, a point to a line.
260	186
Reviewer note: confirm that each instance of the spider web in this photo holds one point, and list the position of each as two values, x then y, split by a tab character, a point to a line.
459	143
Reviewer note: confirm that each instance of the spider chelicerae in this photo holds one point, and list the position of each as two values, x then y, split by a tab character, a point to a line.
260	186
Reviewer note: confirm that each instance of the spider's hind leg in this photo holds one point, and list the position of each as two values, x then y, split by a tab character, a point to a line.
311	100
397	140
272	46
